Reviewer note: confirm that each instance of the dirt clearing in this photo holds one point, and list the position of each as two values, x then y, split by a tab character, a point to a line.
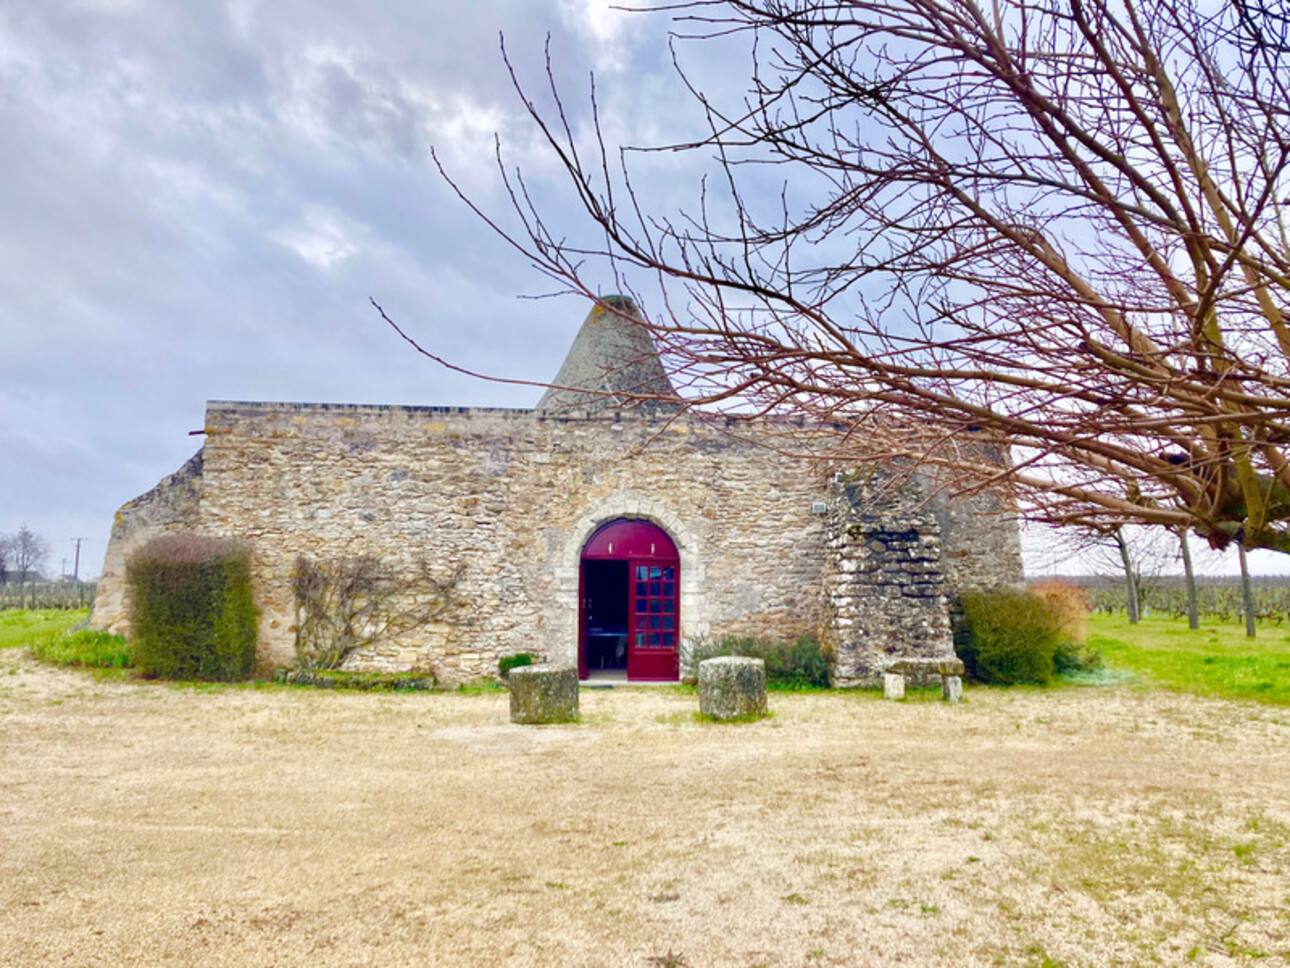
143	824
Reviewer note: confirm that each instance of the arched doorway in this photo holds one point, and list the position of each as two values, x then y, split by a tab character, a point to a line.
629	588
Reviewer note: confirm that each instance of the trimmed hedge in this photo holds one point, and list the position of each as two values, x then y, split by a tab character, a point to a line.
191	614
1009	637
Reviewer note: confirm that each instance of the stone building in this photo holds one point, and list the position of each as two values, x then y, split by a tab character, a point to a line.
606	527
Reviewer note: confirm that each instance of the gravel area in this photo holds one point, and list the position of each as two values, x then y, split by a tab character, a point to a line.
145	824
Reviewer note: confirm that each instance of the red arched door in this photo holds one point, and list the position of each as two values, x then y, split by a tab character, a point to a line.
629	617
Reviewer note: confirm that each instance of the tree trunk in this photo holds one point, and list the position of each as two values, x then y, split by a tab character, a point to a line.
1247	593
1193	609
1130	581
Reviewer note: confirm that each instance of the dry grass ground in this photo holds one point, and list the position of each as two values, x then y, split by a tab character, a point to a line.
144	824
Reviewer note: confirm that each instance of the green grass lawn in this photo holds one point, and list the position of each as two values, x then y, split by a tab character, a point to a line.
47	634
22	628
1214	660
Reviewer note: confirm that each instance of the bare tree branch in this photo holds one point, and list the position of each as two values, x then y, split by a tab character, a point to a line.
1055	226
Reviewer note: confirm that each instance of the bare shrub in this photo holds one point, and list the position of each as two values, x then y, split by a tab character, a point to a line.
346	604
1068	605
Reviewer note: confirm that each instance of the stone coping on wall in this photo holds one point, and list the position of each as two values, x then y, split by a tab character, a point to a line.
234	409
282	406
691	417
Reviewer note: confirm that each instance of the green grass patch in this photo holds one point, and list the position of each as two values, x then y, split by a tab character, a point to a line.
358	681
1214	660
87	647
481	686
20	627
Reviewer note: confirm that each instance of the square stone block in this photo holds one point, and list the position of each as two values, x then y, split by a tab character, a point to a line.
543	694
732	687
952	689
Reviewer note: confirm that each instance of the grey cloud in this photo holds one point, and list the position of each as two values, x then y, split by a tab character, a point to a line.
165	165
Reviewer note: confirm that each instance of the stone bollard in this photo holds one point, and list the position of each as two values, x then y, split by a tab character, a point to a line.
543	694
951	688
732	687
893	685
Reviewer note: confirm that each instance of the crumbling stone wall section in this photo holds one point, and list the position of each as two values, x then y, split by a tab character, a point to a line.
885	583
502	493
174	505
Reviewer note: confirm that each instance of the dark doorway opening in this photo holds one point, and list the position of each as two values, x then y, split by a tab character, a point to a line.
605	603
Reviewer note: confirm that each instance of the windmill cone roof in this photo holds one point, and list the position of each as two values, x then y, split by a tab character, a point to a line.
612	365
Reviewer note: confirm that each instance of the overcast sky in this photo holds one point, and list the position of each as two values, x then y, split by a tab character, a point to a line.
199	197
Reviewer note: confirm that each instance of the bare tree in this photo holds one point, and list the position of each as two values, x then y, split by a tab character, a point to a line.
1247	593
28	551
4	559
1054	225
1189	579
348	604
1131	597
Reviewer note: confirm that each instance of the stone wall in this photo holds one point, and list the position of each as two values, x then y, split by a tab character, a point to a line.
885	583
172	506
513	497
510	497
981	542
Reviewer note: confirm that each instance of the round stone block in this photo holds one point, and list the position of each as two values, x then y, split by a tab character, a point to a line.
732	687
543	694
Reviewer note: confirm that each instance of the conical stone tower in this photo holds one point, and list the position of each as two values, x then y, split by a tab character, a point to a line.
612	365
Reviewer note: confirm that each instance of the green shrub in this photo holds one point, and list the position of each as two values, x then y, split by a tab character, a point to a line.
1008	637
89	648
191	615
800	664
508	662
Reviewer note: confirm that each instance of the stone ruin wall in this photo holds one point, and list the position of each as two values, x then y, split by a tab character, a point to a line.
898	555
173	506
981	542
513	497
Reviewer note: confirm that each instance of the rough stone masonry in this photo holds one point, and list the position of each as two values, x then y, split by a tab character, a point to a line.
769	544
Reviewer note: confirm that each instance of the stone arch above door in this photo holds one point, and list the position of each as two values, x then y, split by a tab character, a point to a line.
627	504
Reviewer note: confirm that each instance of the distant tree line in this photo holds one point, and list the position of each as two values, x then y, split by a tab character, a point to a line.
1218	597
23	556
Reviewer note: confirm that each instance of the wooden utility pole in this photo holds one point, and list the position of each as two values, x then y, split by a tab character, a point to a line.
76	568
